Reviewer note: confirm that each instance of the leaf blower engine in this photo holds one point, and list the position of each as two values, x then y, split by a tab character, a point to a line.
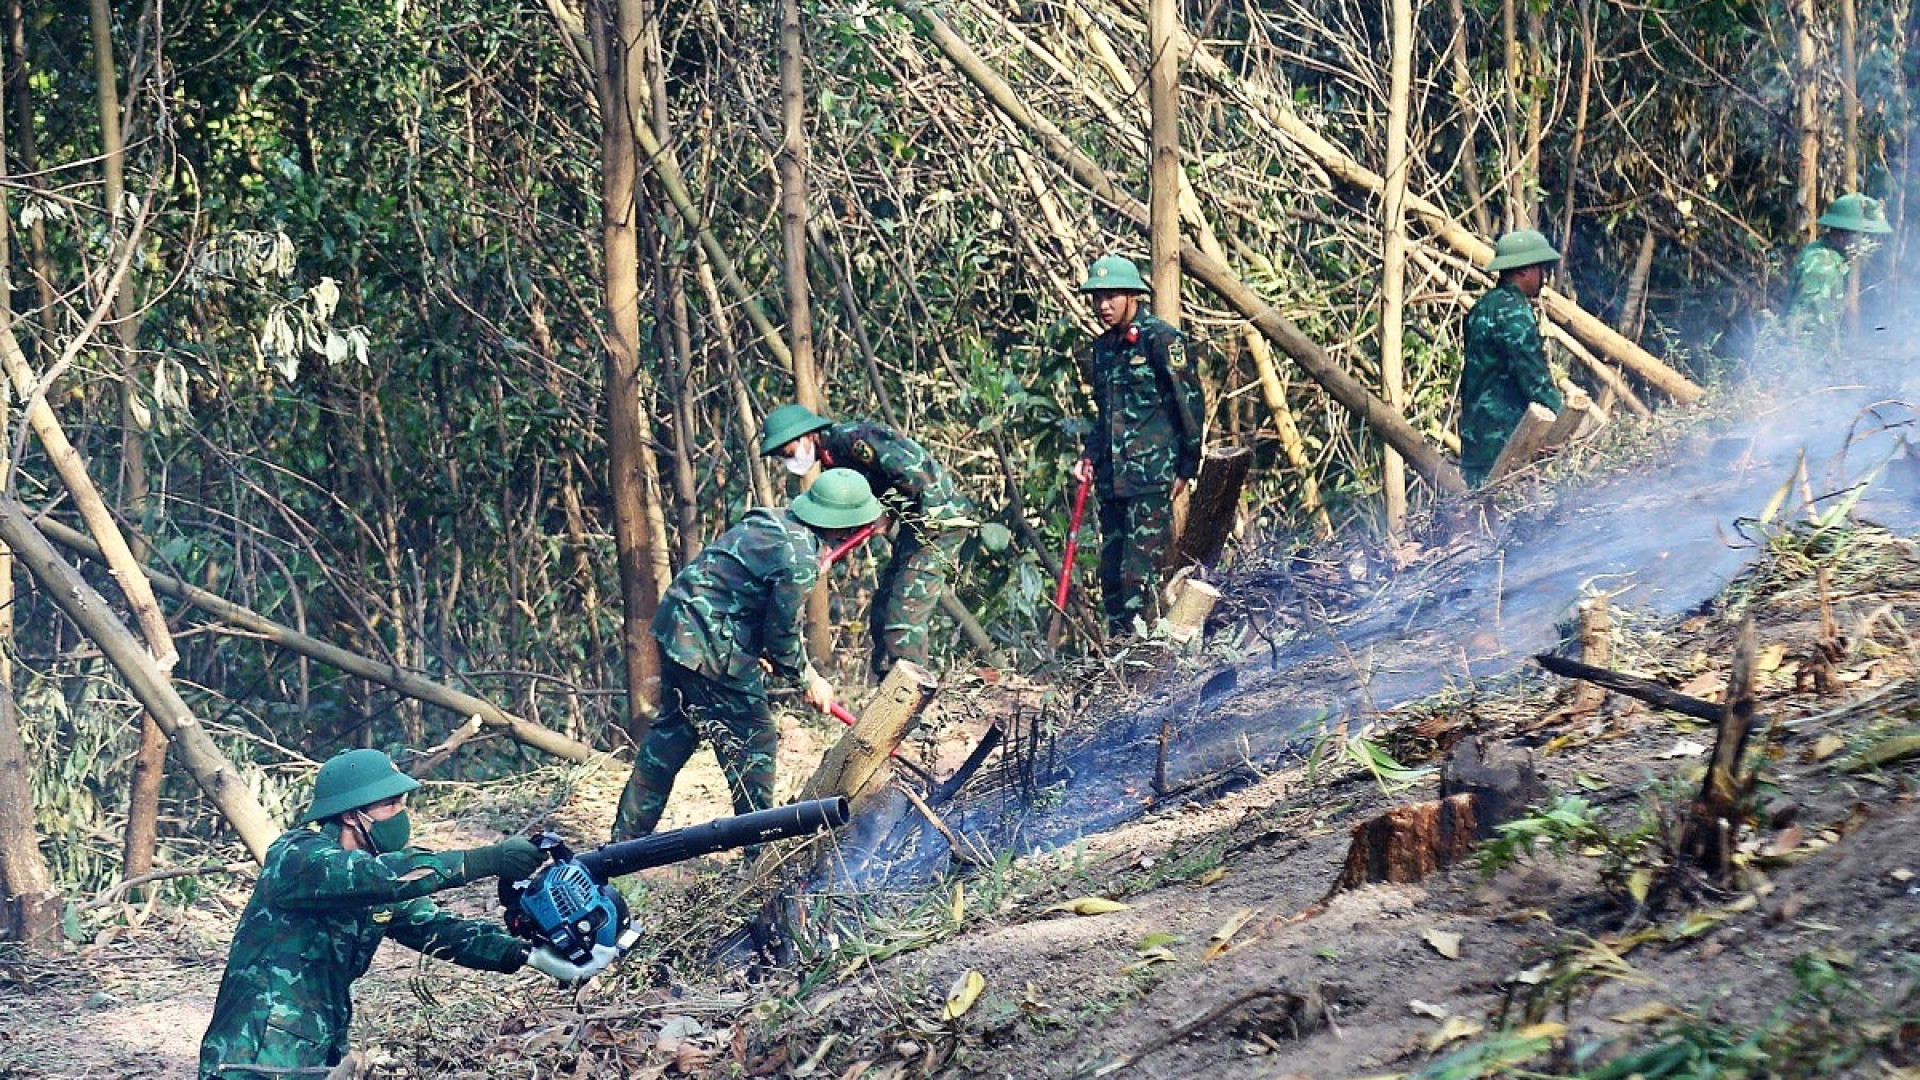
569	906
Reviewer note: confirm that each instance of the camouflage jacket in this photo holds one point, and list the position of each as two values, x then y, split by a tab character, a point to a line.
1505	368
1148	407
1819	287
741	598
317	914
916	489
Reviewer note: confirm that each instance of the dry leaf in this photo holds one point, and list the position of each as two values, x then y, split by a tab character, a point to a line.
1453	1030
959	907
1651	1013
1827	746
1089	905
1444	942
1427	1009
1217	944
1683	748
963	993
1707	686
1638	883
1210	877
1769	659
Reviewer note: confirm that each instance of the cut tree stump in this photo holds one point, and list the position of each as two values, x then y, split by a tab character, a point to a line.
1502	779
1596	650
1529	435
858	765
1212	506
1407	843
1714	826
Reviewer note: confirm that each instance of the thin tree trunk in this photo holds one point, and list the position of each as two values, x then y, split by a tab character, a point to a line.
150	686
1163	95
615	26
1513	167
1469	120
1340	384
1850	132
1393	254
686	491
150	762
1633	313
747	424
1534	68
1579	142
22	104
1806	73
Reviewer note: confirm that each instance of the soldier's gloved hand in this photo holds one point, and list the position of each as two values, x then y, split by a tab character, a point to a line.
512	859
1083	470
544	960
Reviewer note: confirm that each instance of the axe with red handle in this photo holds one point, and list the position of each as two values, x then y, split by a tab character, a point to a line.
1066	561
860	536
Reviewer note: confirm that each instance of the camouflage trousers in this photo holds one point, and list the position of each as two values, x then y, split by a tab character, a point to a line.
1135	534
909	589
734	719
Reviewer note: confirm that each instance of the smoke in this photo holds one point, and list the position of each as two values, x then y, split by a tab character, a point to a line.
1812	427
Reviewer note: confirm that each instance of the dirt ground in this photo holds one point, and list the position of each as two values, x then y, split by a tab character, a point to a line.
1226	952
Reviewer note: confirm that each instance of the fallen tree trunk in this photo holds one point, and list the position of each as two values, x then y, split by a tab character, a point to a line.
1526	441
1386	421
204	761
393	678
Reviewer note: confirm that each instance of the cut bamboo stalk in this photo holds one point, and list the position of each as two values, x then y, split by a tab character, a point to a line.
1529	435
1193	601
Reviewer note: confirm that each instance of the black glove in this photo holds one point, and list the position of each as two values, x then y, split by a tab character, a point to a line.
512	859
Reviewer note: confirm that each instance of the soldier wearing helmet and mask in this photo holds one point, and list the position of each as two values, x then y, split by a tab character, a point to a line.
329	892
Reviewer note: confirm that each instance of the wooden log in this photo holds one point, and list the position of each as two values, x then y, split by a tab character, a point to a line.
1525	442
1631	685
859	764
1502	779
1193	600
1578	418
1596	649
1407	843
1212	506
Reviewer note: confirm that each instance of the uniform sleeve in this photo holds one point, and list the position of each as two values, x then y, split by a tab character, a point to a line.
784	643
1187	399
1092	446
318	874
422	926
1526	356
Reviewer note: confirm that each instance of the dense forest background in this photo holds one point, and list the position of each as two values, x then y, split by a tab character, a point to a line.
320	293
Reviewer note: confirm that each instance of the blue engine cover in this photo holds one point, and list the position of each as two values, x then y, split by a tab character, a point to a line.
571	912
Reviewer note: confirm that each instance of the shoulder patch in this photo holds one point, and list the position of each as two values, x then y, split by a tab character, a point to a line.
1177	354
863	452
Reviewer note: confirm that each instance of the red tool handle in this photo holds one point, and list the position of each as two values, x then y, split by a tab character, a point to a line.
1073	541
843	714
860	536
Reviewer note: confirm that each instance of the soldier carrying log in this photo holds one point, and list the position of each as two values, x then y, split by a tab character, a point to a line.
1505	366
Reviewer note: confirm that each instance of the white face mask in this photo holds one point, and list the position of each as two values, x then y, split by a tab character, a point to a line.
803	458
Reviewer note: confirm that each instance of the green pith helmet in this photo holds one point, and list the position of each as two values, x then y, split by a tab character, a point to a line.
839	499
355	778
1857	213
787	423
1522	247
1114	273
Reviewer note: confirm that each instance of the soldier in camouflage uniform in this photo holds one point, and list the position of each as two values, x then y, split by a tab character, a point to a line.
1144	445
934	517
738	602
1506	360
1820	275
329	892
